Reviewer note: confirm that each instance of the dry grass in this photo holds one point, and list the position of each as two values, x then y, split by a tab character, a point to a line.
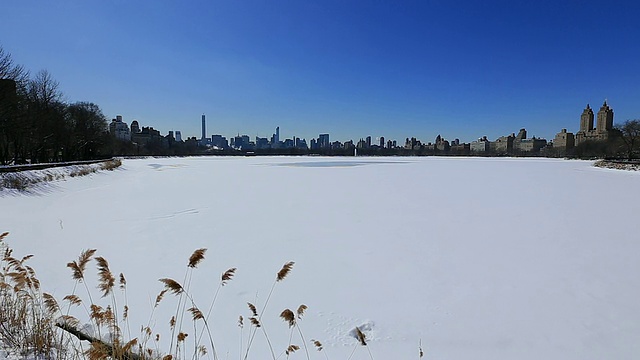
26	180
26	319
111	165
35	323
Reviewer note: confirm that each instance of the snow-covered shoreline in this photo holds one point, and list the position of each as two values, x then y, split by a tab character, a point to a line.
29	181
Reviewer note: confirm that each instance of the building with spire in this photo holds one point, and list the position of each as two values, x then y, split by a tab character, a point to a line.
603	127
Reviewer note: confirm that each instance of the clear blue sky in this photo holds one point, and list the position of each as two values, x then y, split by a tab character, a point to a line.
397	69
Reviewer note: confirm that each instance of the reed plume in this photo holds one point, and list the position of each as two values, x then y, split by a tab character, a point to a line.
78	267
288	316
106	281
50	303
73	299
196	257
96	312
317	344
227	276
25	258
196	313
286	269
253	309
160	297
129	345
172	285
301	310
254	321
291	349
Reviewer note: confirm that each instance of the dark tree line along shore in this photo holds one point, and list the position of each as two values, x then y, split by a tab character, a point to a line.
36	125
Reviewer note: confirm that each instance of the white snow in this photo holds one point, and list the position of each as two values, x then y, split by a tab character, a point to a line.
476	258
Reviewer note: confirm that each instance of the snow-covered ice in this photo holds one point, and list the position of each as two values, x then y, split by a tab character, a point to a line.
477	258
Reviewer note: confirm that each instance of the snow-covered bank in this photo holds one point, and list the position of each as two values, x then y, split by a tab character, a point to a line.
479	258
619	165
34	178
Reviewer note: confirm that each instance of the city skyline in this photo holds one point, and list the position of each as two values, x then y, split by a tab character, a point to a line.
350	69
586	125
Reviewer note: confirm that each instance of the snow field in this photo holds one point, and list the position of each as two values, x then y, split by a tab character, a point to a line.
477	258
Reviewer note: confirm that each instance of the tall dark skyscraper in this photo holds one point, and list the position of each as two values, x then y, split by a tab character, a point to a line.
204	129
277	134
323	141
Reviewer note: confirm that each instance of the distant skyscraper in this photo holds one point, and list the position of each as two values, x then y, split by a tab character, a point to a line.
604	119
323	141
586	119
278	134
178	135
204	132
382	141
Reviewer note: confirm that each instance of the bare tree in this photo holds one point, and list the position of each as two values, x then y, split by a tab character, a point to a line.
87	125
10	70
45	116
630	135
43	89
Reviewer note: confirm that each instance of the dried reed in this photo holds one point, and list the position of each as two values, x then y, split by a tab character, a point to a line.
227	276
288	316
284	271
172	285
196	257
106	281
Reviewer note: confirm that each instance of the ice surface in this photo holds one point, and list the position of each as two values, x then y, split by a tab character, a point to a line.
477	258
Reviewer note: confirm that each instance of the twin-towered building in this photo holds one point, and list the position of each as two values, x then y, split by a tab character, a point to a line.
564	140
601	132
603	127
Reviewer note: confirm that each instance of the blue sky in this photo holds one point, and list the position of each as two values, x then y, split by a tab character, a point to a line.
462	69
